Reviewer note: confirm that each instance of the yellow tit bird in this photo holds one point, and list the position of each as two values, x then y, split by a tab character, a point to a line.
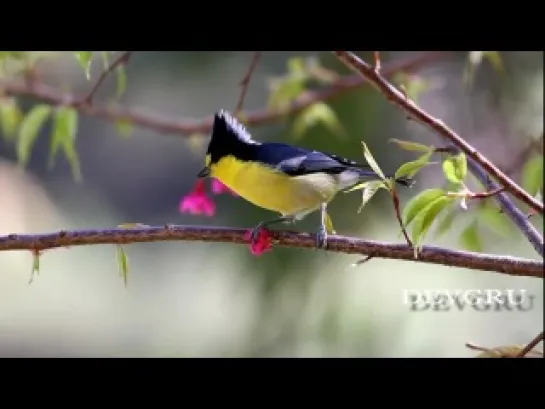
283	178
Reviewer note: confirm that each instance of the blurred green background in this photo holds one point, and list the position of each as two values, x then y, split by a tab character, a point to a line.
206	299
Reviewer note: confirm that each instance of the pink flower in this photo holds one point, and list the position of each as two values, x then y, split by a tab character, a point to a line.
197	202
219	188
263	243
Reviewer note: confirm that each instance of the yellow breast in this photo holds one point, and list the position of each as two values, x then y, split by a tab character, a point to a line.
274	190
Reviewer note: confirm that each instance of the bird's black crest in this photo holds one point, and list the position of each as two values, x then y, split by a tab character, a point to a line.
229	136
227	126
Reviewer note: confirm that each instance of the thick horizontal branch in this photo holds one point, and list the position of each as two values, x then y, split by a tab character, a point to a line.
397	97
435	255
186	126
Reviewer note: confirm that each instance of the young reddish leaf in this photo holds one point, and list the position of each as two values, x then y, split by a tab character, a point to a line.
29	129
419	202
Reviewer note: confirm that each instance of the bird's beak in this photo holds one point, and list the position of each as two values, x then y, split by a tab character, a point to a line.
205	172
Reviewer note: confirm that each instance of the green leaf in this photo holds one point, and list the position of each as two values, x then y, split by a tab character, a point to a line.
318	112
65	125
495	220
495	60
297	66
369	191
411	146
35	266
371	161
122	263
410	169
105	59
124	127
329	224
425	218
446	222
73	159
133	226
532	175
85	58
455	168
121	85
29	129
285	91
413	85
64	136
10	117
419	202
470	238
16	55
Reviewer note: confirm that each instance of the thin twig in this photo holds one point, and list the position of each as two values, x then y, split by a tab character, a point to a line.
531	345
477	163
377	61
189	126
121	60
395	199
474	347
398	98
487	262
363	260
246	81
484	195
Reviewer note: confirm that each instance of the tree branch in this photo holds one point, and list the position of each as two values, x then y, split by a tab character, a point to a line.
398	98
531	345
187	127
122	59
435	255
477	163
246	81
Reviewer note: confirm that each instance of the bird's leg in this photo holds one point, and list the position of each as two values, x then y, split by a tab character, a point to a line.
259	226
321	236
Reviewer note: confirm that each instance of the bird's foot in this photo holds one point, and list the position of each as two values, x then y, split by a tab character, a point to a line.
255	232
321	238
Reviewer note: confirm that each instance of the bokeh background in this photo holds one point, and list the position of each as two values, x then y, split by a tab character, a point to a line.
206	299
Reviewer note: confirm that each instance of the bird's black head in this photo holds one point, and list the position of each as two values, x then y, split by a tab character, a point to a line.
229	137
